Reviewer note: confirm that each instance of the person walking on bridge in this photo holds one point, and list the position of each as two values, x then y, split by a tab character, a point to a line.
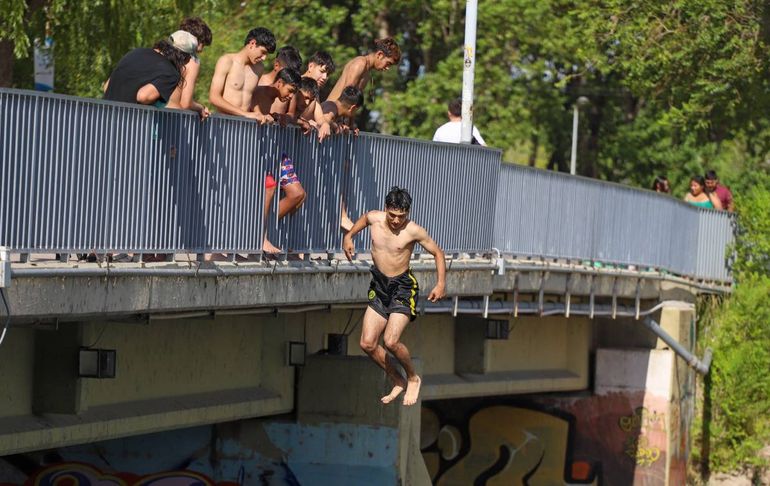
393	291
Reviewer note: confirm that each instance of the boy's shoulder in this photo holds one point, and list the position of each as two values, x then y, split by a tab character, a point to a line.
375	216
356	62
228	56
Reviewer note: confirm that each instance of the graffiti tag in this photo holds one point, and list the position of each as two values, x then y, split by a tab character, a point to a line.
640	450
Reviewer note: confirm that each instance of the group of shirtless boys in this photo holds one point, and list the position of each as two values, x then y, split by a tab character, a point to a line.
240	87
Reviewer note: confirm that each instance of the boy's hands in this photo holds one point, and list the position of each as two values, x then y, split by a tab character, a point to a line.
438	292
324	131
348	247
304	126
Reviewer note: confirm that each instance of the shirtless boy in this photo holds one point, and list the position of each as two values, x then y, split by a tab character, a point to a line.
237	74
287	57
304	100
319	67
283	88
302	108
357	71
335	108
393	291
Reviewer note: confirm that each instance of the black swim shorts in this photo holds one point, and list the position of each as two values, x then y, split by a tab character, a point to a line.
388	295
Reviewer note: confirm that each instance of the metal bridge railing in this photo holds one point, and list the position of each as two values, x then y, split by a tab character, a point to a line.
553	215
82	175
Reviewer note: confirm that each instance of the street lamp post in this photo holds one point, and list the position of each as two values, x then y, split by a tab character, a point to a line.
581	101
469	65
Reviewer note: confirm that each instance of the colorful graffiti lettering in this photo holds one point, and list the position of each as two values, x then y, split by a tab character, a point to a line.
506	445
78	474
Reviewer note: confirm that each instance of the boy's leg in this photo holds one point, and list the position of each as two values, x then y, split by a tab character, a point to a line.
392	337
293	190
371	330
294	196
270	188
345	222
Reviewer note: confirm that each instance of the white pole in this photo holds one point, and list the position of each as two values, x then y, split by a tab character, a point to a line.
573	155
469	64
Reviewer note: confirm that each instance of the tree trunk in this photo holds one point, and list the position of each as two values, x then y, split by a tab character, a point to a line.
535	141
6	64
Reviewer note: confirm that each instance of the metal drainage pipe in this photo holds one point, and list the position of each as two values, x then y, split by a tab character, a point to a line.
701	366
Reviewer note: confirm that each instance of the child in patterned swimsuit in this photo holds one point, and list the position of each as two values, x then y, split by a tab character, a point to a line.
294	196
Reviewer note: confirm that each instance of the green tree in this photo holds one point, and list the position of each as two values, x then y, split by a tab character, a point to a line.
739	333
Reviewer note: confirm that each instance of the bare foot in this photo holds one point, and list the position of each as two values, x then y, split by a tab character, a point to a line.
394	393
268	247
345	223
412	390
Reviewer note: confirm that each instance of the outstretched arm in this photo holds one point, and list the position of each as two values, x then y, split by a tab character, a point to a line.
424	239
347	241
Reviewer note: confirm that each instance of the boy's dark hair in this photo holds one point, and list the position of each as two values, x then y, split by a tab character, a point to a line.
197	27
398	198
351	96
289	76
660	180
289	57
711	175
178	58
388	47
456	107
323	58
262	37
309	84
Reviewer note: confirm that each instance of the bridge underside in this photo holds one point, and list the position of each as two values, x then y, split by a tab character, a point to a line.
207	345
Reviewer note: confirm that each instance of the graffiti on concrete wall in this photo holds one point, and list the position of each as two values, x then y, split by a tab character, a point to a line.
269	452
501	445
626	431
639	426
82	474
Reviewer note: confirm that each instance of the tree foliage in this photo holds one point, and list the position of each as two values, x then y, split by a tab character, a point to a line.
674	87
739	333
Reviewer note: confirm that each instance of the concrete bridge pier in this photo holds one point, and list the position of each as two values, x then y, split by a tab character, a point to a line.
344	434
649	393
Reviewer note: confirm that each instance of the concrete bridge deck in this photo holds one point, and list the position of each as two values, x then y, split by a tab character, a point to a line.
45	288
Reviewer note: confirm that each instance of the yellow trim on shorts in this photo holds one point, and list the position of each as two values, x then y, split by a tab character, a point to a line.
414	292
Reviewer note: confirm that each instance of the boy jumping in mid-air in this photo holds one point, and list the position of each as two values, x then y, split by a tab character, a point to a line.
393	291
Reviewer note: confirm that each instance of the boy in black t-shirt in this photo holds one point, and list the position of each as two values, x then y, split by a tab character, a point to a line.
148	76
